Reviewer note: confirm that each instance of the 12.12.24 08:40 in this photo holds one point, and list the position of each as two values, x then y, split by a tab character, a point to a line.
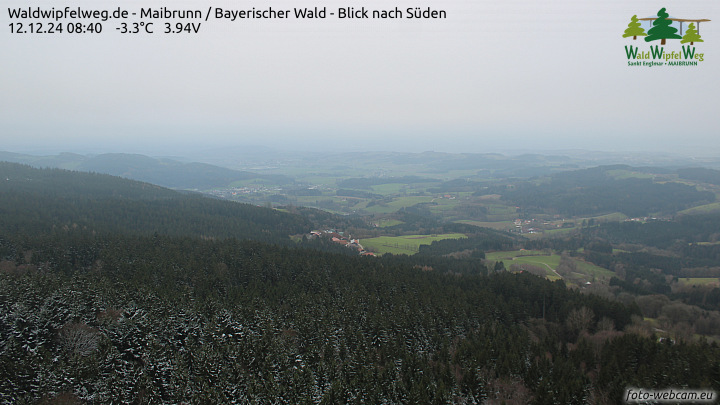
55	28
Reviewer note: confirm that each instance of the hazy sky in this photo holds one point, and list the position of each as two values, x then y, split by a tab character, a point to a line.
494	75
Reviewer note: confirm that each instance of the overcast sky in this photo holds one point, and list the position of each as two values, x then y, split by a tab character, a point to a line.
493	76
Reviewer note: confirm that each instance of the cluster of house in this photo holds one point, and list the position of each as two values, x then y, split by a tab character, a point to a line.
339	237
645	219
235	191
534	225
540	226
523	226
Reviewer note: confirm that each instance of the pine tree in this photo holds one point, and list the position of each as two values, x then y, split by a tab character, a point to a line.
634	29
661	29
691	35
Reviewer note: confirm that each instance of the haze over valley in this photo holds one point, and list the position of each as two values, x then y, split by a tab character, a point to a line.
507	203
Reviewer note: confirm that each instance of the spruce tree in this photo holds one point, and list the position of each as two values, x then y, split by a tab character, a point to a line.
634	29
691	35
662	28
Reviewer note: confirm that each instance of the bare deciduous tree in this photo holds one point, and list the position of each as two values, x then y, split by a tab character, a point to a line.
580	319
79	338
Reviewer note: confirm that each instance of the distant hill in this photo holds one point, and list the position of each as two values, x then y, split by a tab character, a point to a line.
605	189
700	174
39	201
161	171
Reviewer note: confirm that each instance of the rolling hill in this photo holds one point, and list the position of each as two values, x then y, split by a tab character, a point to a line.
161	171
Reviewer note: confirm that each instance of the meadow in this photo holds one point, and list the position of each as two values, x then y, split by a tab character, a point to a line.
583	272
408	244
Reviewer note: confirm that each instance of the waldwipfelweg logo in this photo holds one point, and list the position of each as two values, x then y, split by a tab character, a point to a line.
679	35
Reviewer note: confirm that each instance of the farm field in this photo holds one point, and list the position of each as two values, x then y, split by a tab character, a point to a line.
590	269
509	255
533	257
552	261
629	174
500	212
397	188
409	244
615	216
559	231
500	225
385	223
397	203
701	209
549	263
583	270
700	281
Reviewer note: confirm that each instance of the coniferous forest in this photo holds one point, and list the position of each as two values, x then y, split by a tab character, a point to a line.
114	291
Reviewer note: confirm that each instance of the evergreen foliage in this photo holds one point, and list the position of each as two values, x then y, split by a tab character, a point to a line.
120	292
595	191
43	201
160	319
701	174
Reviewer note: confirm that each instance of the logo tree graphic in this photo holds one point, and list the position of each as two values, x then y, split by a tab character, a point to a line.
661	29
634	29
691	35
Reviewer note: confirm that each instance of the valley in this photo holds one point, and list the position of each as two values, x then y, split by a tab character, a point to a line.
335	284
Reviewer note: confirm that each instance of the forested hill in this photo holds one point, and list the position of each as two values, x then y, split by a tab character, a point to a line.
114	291
53	200
165	172
607	189
168	320
701	174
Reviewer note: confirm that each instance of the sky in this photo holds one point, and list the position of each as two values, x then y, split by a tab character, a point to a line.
493	76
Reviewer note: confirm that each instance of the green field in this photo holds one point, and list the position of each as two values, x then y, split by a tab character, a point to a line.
559	231
549	263
613	217
701	209
499	225
409	244
585	270
700	281
552	261
387	189
442	205
592	270
628	174
499	212
509	255
397	203
385	223
533	257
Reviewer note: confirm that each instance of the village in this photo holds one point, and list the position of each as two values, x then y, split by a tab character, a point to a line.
233	192
536	226
340	238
